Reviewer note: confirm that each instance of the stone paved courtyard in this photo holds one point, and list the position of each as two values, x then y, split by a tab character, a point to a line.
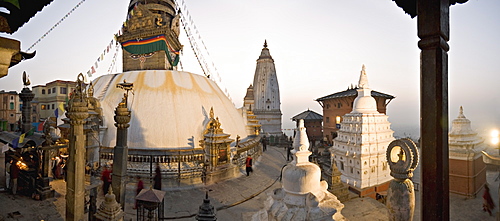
237	199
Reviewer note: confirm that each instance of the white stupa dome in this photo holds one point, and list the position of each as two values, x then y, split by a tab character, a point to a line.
170	109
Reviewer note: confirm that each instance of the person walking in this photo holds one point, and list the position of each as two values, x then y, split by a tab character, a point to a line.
289	153
140	186
264	143
488	204
14	174
249	165
106	179
157	178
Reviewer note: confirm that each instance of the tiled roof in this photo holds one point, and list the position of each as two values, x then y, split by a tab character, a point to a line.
353	93
308	115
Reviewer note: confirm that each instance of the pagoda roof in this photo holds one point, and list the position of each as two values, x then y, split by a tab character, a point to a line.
352	92
151	195
308	115
20	12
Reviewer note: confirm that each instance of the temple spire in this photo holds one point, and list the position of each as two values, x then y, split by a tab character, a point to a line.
265	43
363	79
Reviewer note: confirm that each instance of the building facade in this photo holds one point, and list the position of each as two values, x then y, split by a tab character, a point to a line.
467	169
336	105
10	110
267	104
54	95
360	147
312	123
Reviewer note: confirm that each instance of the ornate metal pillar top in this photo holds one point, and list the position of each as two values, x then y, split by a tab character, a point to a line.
127	86
122	113
77	105
26	94
402	156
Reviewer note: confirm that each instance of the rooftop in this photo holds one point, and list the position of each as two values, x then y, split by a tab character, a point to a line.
308	115
351	92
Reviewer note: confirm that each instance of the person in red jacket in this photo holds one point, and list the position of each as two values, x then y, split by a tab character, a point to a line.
106	179
488	204
14	174
140	186
249	165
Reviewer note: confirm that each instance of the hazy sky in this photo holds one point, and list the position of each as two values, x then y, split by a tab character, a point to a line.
318	48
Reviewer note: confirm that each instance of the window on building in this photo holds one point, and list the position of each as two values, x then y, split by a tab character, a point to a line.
53	106
342	165
328	119
352	170
11	97
64	90
43	107
54	90
12	105
43	91
340	105
11	115
49	91
337	119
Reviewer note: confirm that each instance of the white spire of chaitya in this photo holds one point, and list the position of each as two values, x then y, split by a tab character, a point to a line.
364	102
461	113
363	79
301	144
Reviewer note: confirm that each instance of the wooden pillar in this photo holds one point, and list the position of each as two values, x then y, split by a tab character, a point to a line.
433	31
75	182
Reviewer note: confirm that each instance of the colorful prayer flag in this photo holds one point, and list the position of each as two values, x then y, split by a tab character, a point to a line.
56	112
21	138
40	126
15	143
5	148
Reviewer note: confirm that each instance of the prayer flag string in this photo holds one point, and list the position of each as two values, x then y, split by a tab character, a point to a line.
57	24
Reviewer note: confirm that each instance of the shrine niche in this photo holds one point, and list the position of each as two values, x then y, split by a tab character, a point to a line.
216	142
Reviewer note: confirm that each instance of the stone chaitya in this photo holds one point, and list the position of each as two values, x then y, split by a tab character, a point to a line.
303	195
359	150
467	169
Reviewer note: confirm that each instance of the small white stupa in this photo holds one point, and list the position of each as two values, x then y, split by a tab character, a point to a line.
303	195
467	169
359	149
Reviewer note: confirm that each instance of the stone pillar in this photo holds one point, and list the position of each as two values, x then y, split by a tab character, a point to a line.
75	182
402	157
433	31
120	152
26	96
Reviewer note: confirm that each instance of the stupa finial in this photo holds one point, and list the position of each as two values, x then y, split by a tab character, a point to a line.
461	112
363	79
265	43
